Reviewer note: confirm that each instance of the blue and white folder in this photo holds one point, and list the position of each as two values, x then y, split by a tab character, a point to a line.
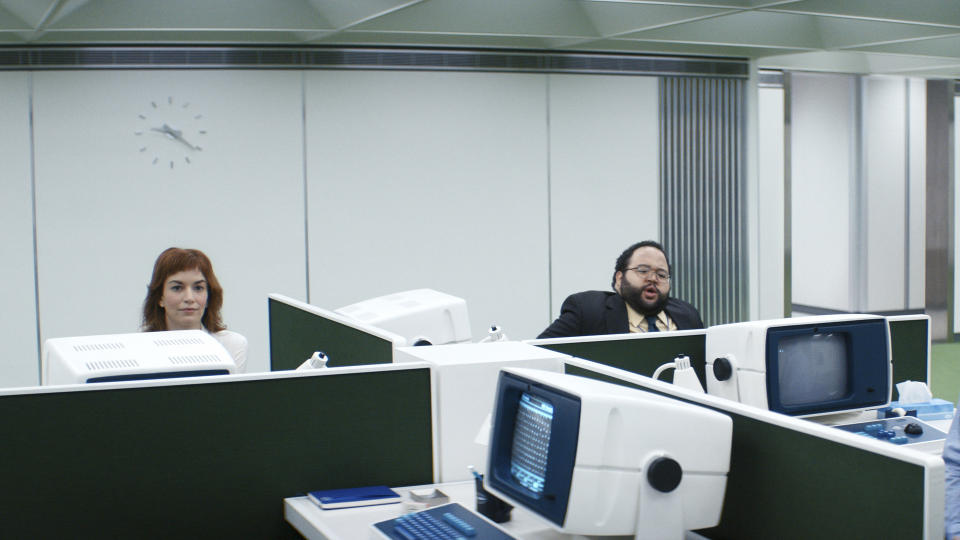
329	499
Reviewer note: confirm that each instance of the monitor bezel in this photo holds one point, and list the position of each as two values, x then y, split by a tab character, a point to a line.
868	386
564	438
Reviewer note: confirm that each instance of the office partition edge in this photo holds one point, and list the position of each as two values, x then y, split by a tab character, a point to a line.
398	340
637	352
434	413
933	496
297	330
916	317
612	337
209	379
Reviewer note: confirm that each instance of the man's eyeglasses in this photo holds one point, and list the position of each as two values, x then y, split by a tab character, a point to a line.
645	271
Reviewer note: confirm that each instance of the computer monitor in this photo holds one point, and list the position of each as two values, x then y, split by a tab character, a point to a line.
422	316
128	357
595	458
804	366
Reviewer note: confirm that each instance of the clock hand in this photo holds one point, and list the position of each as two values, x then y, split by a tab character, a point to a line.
174	134
177	135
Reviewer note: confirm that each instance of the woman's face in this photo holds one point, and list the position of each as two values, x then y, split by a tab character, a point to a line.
184	300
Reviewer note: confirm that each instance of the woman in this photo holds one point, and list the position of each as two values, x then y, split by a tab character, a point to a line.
184	294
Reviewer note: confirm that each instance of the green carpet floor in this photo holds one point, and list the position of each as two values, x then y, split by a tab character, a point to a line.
945	371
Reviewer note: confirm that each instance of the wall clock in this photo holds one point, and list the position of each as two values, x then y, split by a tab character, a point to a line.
170	133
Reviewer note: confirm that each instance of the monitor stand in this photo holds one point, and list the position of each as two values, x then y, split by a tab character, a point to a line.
660	512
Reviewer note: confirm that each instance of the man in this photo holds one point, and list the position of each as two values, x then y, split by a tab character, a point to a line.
641	303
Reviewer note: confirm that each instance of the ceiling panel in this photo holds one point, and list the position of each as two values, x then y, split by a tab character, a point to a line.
893	63
343	14
947	47
773	30
12	21
938	12
738	4
34	12
179	37
353	37
841	33
615	18
859	62
489	17
918	35
191	14
844	62
695	49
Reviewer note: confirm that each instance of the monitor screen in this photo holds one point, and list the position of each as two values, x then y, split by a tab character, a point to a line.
531	443
535	444
813	368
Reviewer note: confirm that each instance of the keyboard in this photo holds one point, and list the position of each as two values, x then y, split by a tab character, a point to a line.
447	522
902	430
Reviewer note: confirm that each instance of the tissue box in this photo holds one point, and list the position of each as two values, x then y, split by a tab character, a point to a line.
935	409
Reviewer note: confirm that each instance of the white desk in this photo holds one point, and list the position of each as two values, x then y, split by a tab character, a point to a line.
315	523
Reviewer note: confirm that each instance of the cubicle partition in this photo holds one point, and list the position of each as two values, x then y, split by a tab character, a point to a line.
910	348
465	381
208	457
794	479
298	329
643	353
637	353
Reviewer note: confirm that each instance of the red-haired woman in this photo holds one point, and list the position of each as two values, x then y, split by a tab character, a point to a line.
184	294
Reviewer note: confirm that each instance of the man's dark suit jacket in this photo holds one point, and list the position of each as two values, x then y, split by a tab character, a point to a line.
591	313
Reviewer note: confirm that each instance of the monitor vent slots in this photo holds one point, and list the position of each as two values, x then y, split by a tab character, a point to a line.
176	342
97	347
102	365
194	359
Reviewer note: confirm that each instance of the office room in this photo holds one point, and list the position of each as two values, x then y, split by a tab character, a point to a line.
794	157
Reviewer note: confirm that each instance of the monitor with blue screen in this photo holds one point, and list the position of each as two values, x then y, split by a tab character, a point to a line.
594	458
804	366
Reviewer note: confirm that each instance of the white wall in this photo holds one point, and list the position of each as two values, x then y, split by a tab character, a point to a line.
105	211
822	181
858	192
358	183
884	169
18	317
604	176
432	180
770	205
917	207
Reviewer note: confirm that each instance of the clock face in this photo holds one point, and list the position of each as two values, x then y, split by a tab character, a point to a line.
170	133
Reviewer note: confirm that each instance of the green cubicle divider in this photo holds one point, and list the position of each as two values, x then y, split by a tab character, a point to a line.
910	348
298	329
643	353
787	483
210	459
637	353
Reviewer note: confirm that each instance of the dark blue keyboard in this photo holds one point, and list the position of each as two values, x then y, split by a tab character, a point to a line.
446	522
897	430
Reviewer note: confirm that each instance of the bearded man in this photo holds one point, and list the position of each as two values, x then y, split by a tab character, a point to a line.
641	301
